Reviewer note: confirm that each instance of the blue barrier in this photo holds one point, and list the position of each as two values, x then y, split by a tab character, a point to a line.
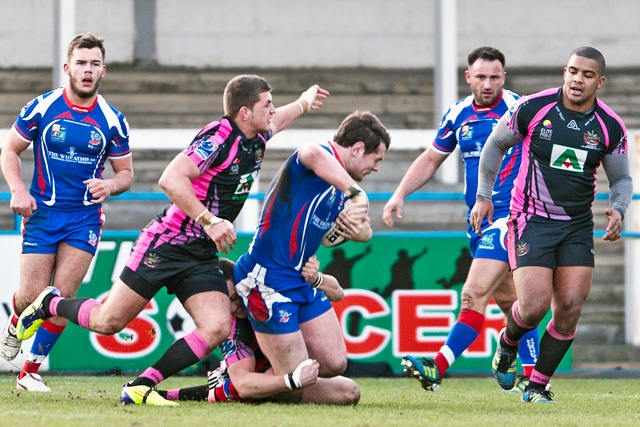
444	196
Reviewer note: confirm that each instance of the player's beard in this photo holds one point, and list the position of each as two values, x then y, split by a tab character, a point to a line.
82	92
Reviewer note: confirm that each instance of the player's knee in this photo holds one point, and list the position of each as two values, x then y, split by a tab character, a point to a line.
105	324
351	394
474	300
215	335
333	368
106	328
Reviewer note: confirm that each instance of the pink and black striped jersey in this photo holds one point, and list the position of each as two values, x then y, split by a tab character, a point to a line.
563	147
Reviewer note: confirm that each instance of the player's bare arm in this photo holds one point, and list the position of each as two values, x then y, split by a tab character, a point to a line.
326	283
421	171
120	182
176	183
311	99
22	203
327	167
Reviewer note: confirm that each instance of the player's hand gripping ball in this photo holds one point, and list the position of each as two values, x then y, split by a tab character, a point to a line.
332	237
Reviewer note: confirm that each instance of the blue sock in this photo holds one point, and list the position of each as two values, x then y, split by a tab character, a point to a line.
528	350
44	340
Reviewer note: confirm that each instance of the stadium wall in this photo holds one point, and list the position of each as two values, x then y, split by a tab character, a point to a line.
330	33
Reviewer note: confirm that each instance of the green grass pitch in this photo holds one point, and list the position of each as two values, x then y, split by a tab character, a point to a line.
461	401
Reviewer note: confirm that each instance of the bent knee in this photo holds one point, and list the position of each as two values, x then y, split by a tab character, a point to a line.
352	395
333	368
106	324
215	336
106	329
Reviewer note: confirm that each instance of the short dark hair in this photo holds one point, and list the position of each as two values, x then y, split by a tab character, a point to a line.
85	41
591	53
226	266
362	126
243	91
487	53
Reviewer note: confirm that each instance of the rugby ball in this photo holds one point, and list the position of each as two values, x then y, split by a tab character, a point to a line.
331	238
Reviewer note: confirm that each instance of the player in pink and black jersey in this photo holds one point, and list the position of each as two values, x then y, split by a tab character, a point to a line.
467	125
567	134
207	183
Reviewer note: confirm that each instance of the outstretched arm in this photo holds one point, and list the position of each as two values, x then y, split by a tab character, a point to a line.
310	99
421	171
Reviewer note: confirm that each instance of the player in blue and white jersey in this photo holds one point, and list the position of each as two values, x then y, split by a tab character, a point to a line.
292	319
468	124
73	131
244	375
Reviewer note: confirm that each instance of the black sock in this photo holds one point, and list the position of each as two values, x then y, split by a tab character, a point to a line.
552	350
177	357
513	332
197	393
67	308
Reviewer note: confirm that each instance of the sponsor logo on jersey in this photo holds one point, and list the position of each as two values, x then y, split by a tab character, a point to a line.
235	167
466	133
569	159
573	125
204	149
546	132
244	186
58	133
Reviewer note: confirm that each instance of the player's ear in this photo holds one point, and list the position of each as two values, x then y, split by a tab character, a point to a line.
358	148
244	113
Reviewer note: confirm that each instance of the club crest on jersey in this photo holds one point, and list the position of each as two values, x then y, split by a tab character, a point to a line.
151	260
93	238
522	248
58	132
96	140
591	138
546	132
259	154
487	242
569	159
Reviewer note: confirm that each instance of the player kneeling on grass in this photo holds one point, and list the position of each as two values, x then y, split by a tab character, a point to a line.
245	374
